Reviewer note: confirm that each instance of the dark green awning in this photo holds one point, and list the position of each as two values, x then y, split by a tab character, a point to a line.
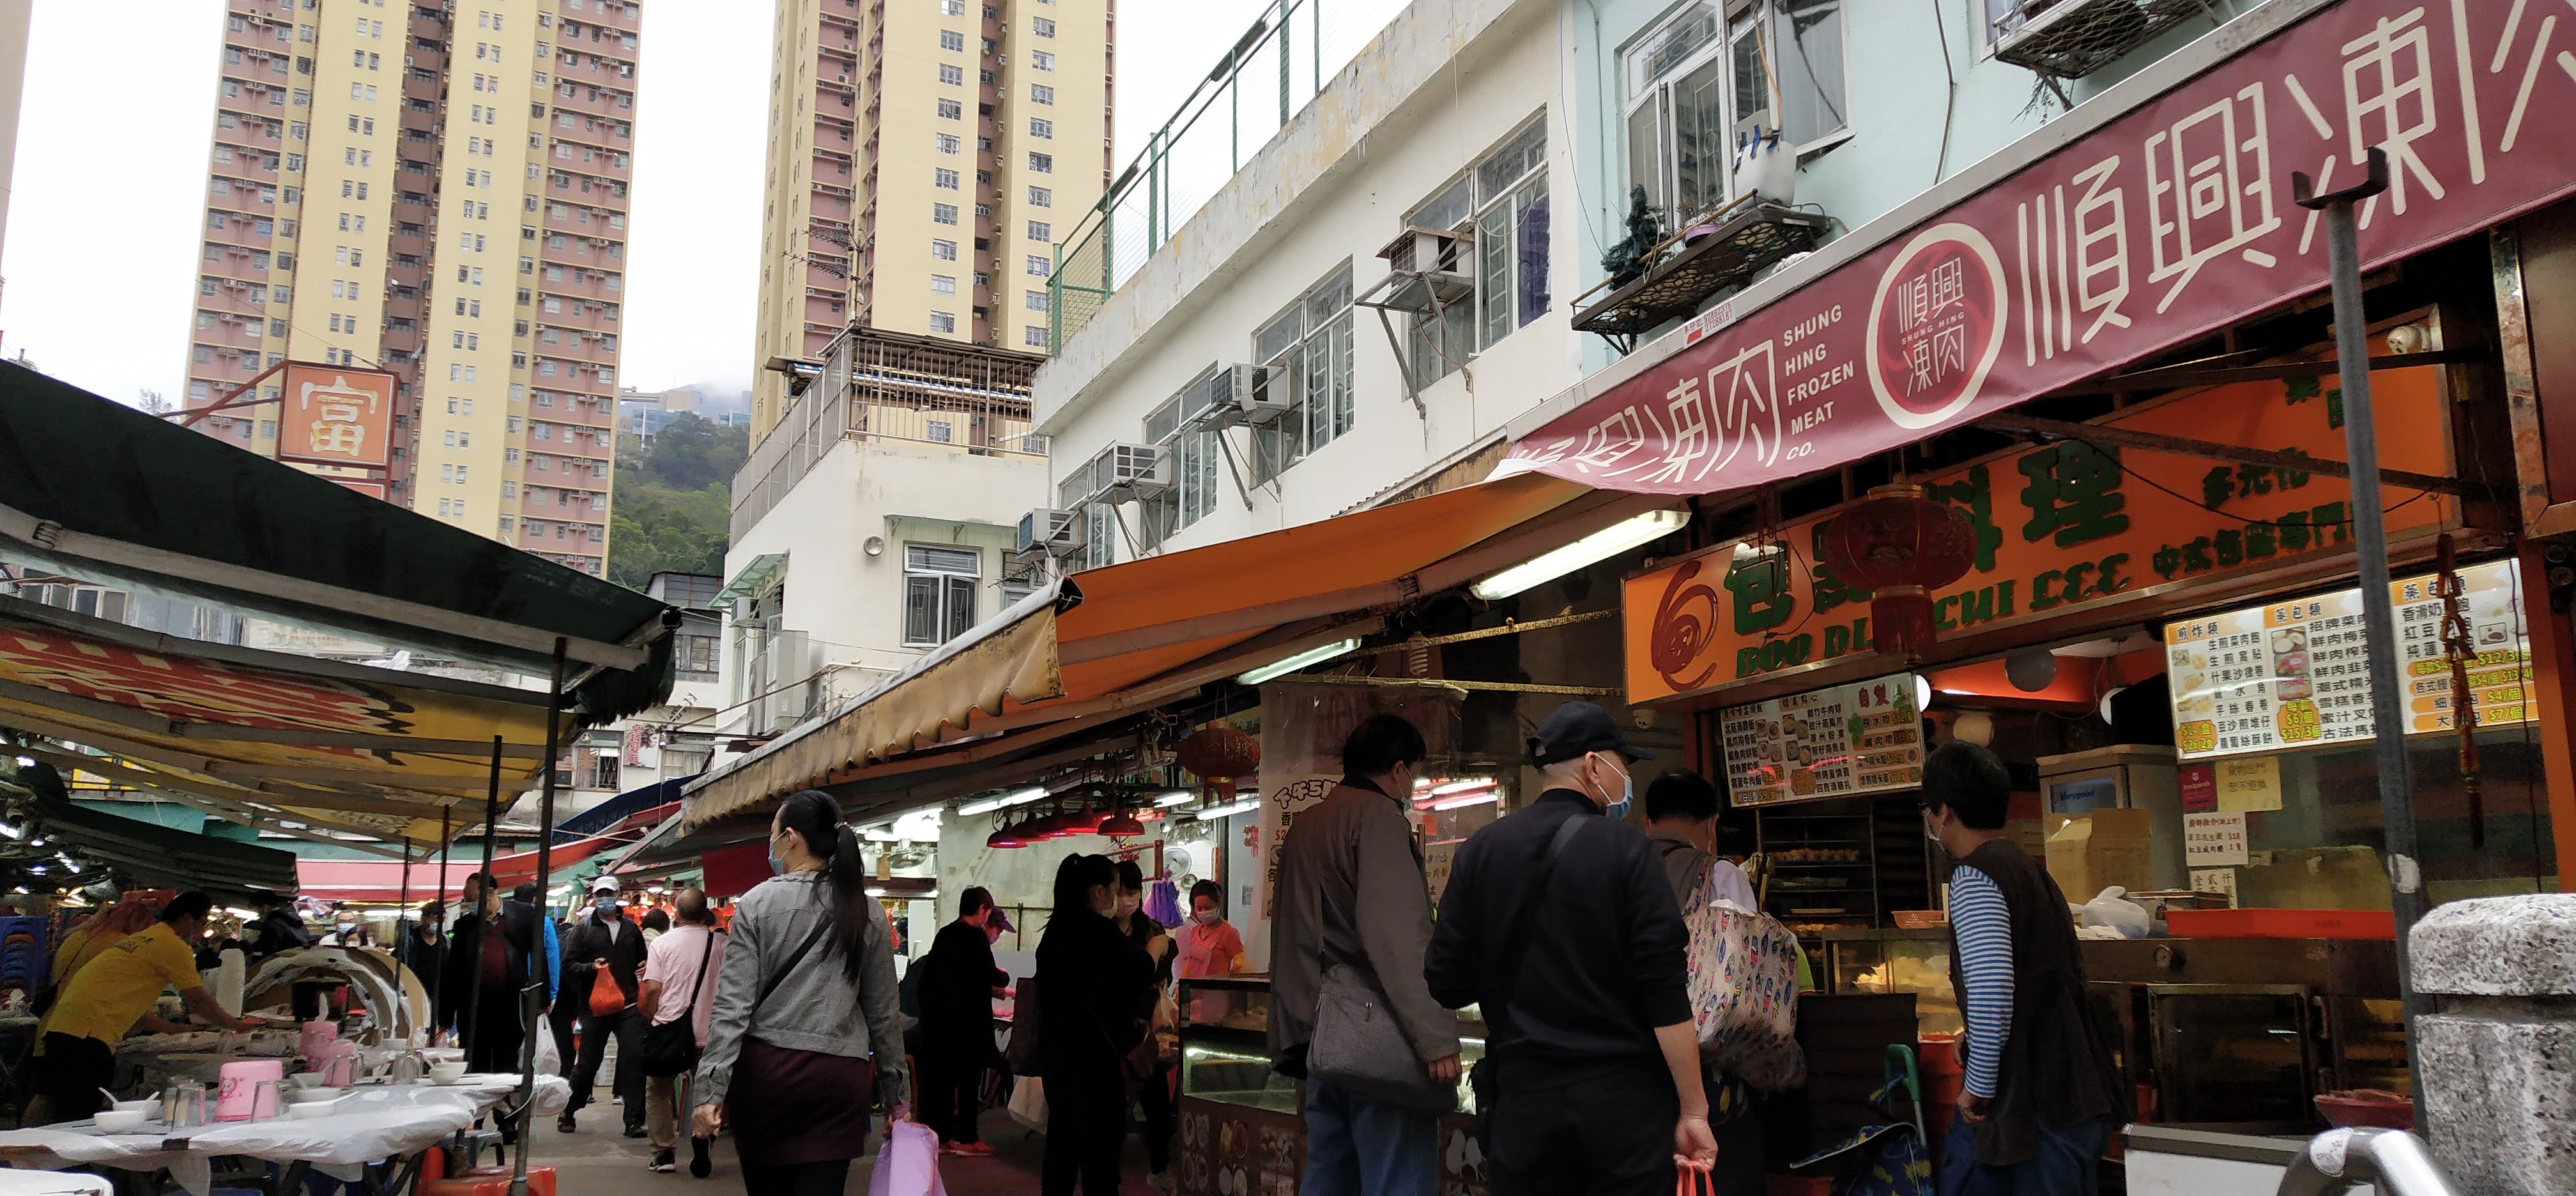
97	490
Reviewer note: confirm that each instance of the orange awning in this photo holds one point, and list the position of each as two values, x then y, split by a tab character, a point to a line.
1131	636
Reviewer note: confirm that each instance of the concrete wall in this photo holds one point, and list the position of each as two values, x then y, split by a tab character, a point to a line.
1445	84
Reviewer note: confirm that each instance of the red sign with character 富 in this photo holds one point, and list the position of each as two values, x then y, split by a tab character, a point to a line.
2162	225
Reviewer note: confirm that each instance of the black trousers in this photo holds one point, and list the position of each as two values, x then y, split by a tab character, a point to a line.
628	1028
494	1037
796	1179
75	1068
951	1093
1086	1128
1609	1136
1156	1099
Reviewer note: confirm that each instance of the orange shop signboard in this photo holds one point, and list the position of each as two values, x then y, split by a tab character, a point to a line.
336	416
2058	526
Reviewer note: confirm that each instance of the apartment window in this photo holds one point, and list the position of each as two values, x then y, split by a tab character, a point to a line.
1700	79
1040	93
951	110
1034	300
1194	464
950	39
1037	265
1505	195
945	251
943	213
1042	60
948	143
944	178
1040	197
952	74
943	284
1041	127
939	587
1041	232
1311	344
1034	336
1043	27
952	8
941	321
1042	163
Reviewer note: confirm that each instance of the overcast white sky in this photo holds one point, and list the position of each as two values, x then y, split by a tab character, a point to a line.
100	259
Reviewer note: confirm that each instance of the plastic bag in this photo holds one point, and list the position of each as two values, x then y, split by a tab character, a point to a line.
1028	1103
549	1056
2111	908
908	1163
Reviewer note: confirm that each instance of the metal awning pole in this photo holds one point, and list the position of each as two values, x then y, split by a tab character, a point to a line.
482	921
545	877
438	982
402	918
2378	604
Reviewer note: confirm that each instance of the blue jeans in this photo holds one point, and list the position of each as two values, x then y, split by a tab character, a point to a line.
2065	1162
1359	1147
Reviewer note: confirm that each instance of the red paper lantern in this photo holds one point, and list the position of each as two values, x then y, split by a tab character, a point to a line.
1900	544
1221	756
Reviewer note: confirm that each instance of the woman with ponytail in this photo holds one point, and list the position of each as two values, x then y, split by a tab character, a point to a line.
806	993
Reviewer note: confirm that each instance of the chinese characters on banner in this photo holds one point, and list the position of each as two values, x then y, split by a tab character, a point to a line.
2162	225
2295	673
2057	527
336	416
1835	742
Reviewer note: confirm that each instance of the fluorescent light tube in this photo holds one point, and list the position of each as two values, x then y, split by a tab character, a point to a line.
1466	799
1592	549
1177	797
999	801
1310	656
1245	806
1462	786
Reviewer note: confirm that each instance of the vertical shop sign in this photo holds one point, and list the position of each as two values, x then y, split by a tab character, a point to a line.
2158	227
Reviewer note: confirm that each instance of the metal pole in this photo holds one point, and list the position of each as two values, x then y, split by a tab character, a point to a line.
2378	605
482	922
438	982
1283	62
536	971
402	916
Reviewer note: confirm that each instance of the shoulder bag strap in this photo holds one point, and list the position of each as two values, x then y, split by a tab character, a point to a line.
1518	945
703	957
822	923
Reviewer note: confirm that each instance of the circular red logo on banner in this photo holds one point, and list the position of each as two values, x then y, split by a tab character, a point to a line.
1935	325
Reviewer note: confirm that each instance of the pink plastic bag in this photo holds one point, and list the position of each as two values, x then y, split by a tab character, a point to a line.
908	1163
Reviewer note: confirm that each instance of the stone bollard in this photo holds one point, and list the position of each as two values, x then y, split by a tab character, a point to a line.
2498	1057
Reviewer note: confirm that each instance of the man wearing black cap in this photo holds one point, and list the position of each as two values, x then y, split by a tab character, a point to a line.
1564	927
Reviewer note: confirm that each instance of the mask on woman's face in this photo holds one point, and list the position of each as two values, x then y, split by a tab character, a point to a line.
1129	903
1208	918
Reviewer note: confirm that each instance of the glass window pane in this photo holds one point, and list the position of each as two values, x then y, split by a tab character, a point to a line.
1752	79
921	610
1530	251
1316	395
1646	154
961	608
1810	33
1446	210
1508	165
1345	403
1700	143
1281	333
1494	273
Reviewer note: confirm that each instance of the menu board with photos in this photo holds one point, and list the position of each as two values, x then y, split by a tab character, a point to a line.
1860	738
2296	673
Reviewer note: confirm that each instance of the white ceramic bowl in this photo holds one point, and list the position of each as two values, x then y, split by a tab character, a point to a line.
447	1073
304	1081
147	1106
120	1121
303	1109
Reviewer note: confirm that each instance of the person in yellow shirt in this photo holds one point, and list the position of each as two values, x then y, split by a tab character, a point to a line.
111	994
127	916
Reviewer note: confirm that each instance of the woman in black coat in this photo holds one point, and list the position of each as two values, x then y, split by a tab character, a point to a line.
956	1009
1088	978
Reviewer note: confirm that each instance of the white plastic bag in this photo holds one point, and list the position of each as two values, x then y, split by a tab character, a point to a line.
2111	908
1028	1103
549	1057
908	1163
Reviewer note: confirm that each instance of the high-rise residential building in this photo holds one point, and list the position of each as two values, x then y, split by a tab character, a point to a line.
15	17
924	158
438	190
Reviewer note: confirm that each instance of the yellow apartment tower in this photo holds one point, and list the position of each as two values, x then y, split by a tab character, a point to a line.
924	156
438	190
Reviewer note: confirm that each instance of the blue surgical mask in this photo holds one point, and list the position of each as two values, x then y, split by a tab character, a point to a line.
777	866
1618	810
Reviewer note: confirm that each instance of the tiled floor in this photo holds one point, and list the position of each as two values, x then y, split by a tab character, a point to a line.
598	1161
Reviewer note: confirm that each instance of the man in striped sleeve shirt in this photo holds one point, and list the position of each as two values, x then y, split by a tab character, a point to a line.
2039	1098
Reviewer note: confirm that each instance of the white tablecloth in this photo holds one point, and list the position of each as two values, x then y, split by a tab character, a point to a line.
53	1183
370	1124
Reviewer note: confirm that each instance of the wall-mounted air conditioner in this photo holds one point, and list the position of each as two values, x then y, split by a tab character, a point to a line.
1131	471
1056	533
1427	265
1259	392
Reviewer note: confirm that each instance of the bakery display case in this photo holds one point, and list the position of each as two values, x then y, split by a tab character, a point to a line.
1894	961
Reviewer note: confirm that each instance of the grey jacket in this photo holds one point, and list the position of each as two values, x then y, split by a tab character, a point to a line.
814	1009
1351	889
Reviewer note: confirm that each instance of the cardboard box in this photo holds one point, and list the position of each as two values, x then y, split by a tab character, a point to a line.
2088	853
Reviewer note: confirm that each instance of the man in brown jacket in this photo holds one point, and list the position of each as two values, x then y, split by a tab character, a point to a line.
1351	891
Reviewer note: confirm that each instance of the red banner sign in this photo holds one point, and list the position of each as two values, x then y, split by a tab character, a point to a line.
2168	222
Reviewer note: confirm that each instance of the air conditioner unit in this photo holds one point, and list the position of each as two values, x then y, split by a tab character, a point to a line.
1131	471
1260	392
1057	533
1428	264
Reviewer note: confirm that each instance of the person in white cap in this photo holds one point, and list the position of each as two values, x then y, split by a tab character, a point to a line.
603	964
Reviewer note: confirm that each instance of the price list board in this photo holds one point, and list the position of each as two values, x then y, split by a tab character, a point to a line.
2296	673
1862	738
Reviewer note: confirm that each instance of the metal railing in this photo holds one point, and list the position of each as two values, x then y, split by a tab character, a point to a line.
1285	59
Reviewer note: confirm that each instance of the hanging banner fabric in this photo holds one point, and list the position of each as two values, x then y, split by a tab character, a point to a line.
2163	225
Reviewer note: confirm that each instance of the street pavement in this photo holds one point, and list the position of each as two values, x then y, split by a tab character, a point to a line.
600	1161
